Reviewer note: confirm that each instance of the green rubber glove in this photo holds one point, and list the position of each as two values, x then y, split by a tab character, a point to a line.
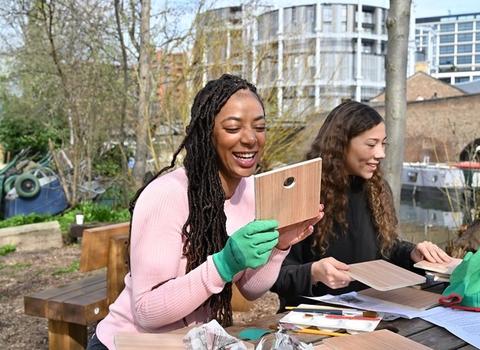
464	288
248	247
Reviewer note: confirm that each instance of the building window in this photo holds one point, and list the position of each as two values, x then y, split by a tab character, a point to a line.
464	59
327	13
461	79
477	59
447	49
447	38
446	60
367	47
327	27
477	47
344	12
465	37
465	26
449	27
464	48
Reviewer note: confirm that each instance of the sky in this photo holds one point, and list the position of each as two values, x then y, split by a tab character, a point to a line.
430	8
422	8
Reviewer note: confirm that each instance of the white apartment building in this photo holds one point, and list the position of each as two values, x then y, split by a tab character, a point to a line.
310	56
450	46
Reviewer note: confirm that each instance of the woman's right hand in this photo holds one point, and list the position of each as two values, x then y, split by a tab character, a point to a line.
329	271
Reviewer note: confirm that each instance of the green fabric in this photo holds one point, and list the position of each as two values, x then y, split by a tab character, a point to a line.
248	247
464	288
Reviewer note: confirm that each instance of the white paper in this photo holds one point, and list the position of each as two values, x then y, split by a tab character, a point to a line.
354	300
464	324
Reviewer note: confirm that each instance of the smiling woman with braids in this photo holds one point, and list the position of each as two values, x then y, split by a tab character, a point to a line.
193	231
360	221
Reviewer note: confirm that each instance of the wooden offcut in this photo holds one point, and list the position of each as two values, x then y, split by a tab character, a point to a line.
148	341
412	298
382	275
376	340
289	203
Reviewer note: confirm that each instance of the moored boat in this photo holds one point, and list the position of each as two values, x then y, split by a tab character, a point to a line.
432	180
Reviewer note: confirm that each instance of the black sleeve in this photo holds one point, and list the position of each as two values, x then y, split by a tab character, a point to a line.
294	278
400	256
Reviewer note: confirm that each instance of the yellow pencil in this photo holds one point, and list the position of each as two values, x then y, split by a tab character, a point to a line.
314	331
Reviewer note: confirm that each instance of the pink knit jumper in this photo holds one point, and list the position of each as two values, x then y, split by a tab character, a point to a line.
156	256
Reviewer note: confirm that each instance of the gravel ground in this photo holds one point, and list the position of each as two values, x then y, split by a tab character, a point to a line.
23	273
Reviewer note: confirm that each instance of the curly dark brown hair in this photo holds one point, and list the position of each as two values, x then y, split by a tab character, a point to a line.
343	123
205	227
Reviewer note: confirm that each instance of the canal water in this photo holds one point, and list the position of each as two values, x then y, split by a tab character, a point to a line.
437	221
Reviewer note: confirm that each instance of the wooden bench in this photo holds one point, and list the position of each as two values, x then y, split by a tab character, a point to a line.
71	307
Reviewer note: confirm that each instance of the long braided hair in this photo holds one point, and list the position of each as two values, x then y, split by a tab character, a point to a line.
205	227
343	123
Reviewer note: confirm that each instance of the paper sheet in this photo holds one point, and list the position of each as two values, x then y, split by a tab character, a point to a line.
354	300
463	324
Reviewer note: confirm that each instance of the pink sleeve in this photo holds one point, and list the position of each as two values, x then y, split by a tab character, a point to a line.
254	283
156	258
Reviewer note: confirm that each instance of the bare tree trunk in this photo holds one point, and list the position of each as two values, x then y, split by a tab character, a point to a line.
143	123
398	25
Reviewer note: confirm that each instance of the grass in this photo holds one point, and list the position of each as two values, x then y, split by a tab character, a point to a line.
75	266
9	248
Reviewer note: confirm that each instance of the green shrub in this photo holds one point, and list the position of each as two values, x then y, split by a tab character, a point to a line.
92	212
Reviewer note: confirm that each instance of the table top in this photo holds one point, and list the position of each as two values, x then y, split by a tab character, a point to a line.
417	330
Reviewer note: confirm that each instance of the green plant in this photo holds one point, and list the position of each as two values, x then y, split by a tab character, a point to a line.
75	266
31	218
93	212
9	248
20	265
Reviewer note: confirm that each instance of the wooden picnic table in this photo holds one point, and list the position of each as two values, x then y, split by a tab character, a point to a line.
417	329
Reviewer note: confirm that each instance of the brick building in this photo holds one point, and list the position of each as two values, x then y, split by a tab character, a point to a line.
443	122
444	129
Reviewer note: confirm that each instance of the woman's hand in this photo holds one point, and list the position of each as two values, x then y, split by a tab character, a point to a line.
431	252
329	271
293	234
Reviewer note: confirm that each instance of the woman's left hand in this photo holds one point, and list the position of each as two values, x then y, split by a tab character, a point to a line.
293	234
431	252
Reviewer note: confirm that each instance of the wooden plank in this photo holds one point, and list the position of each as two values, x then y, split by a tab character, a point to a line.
445	268
149	341
79	297
413	298
86	309
289	203
382	275
66	336
376	340
95	244
36	304
44	235
239	302
117	266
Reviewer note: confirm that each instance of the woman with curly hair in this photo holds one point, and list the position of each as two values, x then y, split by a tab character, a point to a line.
360	222
192	231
